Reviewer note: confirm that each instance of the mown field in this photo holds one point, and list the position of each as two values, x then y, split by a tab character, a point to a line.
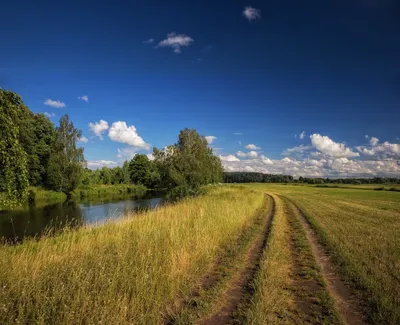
252	254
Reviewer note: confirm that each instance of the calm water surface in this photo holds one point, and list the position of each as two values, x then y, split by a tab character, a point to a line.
34	221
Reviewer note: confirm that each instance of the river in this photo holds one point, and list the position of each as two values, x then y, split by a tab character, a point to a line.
35	221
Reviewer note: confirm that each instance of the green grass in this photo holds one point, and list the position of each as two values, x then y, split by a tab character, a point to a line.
40	197
92	192
361	231
125	272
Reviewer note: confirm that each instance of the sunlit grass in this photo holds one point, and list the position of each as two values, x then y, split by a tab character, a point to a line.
124	272
271	301
361	229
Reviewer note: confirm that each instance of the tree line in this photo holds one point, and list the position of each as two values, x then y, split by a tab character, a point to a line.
252	177
35	152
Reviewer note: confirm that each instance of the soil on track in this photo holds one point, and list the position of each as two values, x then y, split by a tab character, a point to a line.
239	289
346	303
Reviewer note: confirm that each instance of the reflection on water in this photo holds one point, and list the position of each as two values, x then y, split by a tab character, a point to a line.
34	221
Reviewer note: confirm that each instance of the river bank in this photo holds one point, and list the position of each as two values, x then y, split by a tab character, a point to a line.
40	197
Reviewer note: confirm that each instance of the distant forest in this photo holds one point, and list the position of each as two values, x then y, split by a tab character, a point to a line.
252	177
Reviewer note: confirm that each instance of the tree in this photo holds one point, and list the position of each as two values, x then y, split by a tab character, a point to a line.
66	163
143	171
189	164
13	159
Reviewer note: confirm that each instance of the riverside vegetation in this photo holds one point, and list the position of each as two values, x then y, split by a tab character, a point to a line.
41	163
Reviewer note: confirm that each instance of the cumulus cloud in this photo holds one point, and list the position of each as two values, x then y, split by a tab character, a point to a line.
250	154
366	136
302	135
98	128
149	41
96	164
251	13
296	150
176	42
54	103
150	156
228	158
49	115
311	167
381	150
331	148
85	98
210	138
120	132
83	139
373	141
252	147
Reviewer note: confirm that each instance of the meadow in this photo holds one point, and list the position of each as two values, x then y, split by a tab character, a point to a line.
243	254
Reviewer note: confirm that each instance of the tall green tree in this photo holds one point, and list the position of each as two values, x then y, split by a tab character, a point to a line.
188	164
143	171
66	163
13	159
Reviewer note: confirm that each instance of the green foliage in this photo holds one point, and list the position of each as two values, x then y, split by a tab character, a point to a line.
144	171
65	171
187	165
13	159
108	191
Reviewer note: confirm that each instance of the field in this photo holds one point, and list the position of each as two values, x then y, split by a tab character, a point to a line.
252	254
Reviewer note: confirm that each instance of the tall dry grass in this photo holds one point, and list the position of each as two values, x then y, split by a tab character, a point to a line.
272	300
124	272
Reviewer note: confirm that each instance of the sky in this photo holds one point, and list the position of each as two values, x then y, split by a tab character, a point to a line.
306	88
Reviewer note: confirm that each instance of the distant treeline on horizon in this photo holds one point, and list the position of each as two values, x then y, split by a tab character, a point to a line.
254	177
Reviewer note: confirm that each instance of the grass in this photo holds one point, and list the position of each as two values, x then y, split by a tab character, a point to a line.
208	298
361	231
40	197
125	272
90	192
272	300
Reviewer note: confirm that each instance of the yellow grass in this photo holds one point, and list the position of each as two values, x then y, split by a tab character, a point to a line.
271	301
124	272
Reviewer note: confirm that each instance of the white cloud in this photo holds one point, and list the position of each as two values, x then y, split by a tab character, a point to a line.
49	115
251	13
366	136
228	158
266	160
85	98
310	167
126	153
83	139
210	138
149	41
96	164
252	147
373	141
296	150
176	41
331	148
150	156
98	128
302	135
383	150
238	133
120	132
250	154
54	103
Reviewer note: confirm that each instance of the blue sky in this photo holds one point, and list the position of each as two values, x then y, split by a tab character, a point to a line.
266	69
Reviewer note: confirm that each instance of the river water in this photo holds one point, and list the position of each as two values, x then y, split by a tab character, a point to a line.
35	221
